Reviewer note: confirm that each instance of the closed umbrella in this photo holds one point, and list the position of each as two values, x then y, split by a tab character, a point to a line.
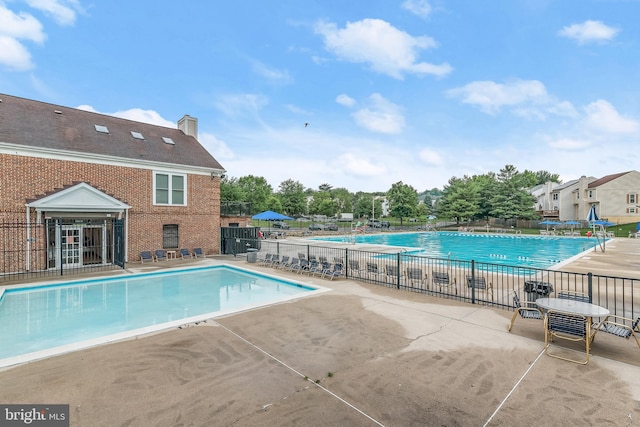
592	215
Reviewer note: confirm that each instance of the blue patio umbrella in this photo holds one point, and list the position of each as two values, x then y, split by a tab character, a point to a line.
270	216
549	222
638	227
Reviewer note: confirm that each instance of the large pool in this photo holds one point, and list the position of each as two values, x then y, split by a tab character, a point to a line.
507	249
40	321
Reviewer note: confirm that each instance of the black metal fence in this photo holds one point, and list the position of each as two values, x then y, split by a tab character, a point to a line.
59	247
470	281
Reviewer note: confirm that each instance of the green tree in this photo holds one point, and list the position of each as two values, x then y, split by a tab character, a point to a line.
292	196
256	190
511	200
273	204
403	200
460	200
342	200
321	204
230	190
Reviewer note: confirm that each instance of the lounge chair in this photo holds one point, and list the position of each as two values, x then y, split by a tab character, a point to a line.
619	326
266	260
275	260
392	274
281	263
146	256
526	310
184	253
354	268
415	275
161	255
197	253
314	268
480	283
372	270
572	327
442	279
304	266
336	271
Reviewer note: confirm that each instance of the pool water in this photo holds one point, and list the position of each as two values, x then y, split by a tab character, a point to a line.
516	250
41	318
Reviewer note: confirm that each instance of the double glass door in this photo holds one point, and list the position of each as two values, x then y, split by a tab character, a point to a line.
77	245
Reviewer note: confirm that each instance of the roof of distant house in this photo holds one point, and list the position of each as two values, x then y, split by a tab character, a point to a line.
48	126
605	179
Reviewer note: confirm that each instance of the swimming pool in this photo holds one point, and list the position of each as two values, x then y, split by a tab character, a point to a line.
507	249
52	319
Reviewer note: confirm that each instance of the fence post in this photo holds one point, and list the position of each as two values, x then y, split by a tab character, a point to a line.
61	237
398	270
473	281
346	262
590	286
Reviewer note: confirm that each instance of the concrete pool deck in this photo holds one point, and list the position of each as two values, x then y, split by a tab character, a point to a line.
371	356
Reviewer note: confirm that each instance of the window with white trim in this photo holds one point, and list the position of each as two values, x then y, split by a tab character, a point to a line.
169	189
632	198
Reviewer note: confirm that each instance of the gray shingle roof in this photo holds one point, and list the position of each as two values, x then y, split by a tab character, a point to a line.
39	124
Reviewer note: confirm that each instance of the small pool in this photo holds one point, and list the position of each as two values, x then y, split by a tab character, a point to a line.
45	320
507	249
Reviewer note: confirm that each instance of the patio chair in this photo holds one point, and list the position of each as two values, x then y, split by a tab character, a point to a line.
571	327
301	255
355	269
184	253
619	326
336	271
197	253
314	267
161	255
372	270
294	265
442	279
414	275
266	260
480	283
526	310
392	274
575	296
146	256
304	266
275	260
282	264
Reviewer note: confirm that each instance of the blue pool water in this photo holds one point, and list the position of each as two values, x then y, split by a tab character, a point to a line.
41	318
516	250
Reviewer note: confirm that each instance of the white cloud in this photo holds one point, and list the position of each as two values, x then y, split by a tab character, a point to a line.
345	100
241	104
430	157
297	110
491	97
380	115
16	27
61	11
271	73
385	48
422	8
20	26
569	144
602	116
135	114
13	55
218	148
588	32
359	166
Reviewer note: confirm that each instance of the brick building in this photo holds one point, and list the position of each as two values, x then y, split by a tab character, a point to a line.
85	171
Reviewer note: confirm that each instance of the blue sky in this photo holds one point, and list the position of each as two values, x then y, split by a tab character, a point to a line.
416	91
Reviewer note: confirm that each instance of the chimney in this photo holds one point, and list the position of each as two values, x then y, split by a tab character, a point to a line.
189	125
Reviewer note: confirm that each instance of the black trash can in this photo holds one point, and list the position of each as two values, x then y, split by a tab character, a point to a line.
252	255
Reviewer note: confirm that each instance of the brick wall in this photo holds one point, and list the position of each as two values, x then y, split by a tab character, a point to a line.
26	178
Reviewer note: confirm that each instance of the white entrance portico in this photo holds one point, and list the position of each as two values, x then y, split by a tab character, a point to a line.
79	223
